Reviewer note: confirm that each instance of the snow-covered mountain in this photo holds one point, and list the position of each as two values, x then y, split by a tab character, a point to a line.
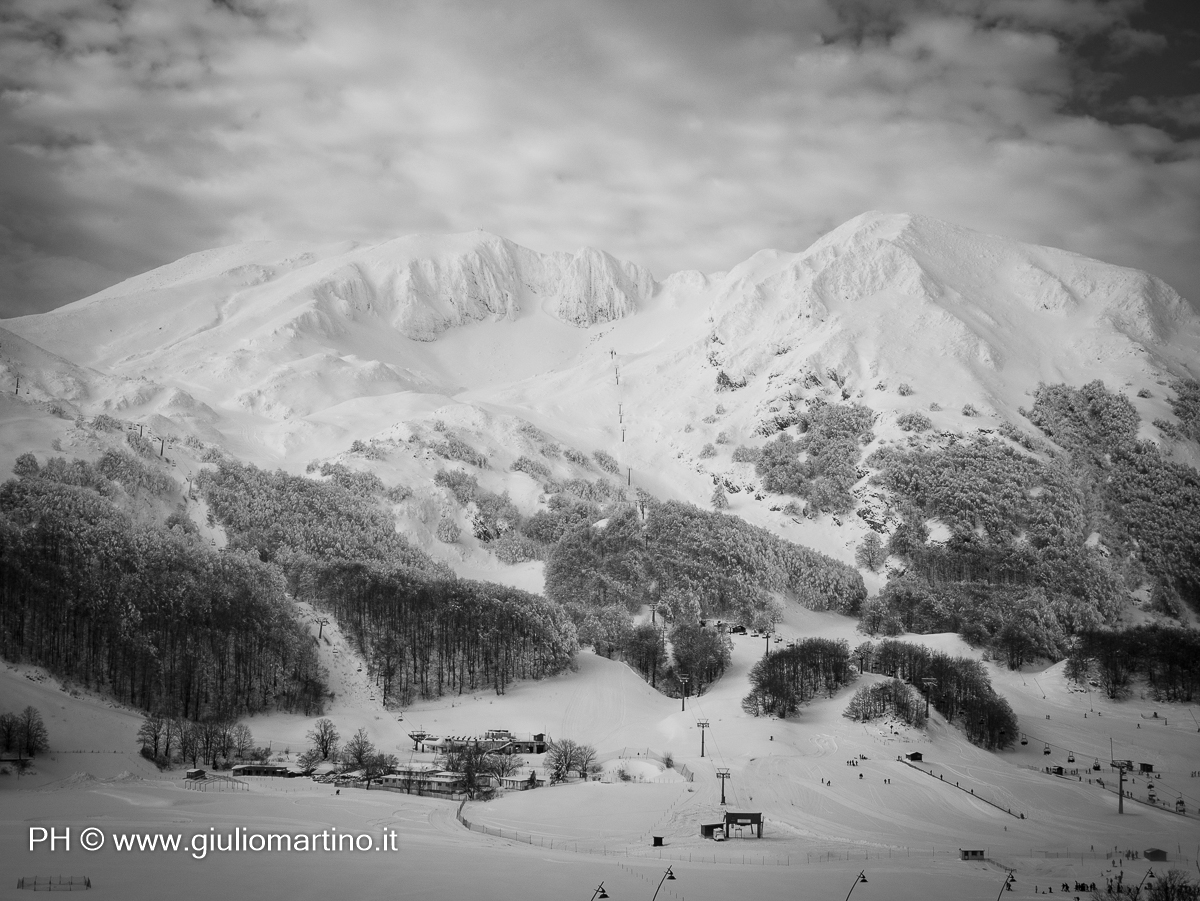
284	354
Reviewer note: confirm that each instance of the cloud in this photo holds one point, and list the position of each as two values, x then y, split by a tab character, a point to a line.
1184	110
676	133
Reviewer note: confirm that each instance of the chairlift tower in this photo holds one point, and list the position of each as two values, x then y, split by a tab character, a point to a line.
723	774
703	724
930	684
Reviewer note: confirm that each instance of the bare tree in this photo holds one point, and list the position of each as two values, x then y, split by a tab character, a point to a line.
477	765
380	764
585	760
566	757
208	736
8	731
309	760
150	734
32	737
325	738
241	740
1173	885
358	751
188	739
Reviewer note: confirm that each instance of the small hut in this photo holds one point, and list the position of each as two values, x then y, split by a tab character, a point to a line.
1155	854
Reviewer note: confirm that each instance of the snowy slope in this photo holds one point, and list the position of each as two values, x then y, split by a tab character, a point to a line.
285	354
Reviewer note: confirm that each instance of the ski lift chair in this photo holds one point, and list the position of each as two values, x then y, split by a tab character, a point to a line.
1024	740
1070	757
1046	750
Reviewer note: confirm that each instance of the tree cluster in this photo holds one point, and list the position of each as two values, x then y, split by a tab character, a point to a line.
1168	657
23	733
566	757
1016	572
820	466
214	740
785	679
958	688
1186	406
421	631
1146	503
892	698
479	766
273	512
422	636
152	615
695	563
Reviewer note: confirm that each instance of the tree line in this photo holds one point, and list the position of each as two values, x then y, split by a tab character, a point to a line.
214	741
1168	657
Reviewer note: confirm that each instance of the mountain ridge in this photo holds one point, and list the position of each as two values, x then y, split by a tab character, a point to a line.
285	354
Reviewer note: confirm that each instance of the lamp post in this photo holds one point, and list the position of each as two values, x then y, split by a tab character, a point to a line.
861	877
667	876
684	679
599	892
1138	890
1009	880
723	774
703	724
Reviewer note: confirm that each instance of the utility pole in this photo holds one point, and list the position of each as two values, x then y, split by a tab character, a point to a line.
723	774
703	724
629	475
1120	777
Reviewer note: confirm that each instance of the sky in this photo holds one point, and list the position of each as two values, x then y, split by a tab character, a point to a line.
679	134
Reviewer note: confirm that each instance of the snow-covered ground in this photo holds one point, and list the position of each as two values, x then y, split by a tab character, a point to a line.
825	820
